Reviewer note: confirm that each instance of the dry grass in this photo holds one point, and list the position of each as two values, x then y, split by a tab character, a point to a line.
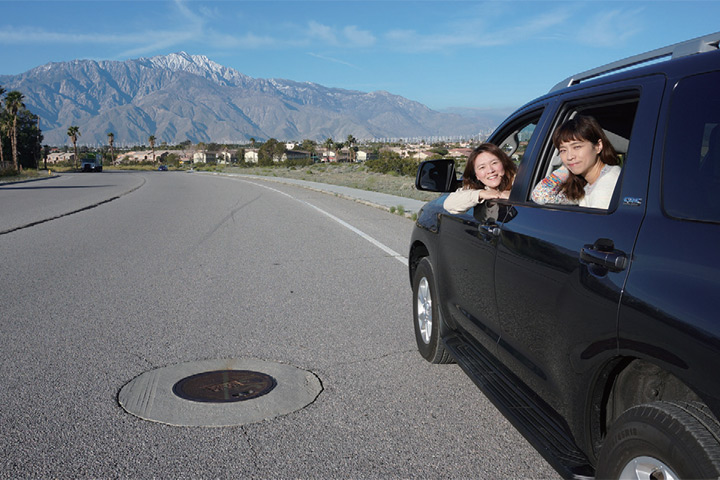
7	176
347	175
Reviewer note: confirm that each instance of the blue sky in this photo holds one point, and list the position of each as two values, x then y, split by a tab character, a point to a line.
479	54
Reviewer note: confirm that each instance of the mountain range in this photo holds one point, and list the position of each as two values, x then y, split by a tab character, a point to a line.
179	97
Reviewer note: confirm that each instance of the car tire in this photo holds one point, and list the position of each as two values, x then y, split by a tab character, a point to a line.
662	440
426	315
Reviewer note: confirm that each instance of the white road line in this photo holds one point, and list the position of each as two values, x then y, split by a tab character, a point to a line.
400	258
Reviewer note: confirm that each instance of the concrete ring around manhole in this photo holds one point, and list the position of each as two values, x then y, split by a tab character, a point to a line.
157	395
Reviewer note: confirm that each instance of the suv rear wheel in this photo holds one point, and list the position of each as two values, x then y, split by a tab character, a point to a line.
426	315
662	440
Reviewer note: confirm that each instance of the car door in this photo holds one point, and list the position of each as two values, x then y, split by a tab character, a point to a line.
560	270
469	246
467	266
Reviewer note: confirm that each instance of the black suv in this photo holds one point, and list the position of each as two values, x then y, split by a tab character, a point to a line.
595	332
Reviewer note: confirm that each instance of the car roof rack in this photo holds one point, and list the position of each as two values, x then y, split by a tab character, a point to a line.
682	49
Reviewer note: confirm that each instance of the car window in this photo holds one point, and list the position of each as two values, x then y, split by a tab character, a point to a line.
615	114
691	164
515	137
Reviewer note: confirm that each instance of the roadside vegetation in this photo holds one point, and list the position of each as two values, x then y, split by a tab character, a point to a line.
20	137
352	175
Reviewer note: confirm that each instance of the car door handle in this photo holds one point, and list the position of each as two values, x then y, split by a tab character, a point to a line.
603	254
490	229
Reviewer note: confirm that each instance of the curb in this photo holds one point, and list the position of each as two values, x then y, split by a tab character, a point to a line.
15	182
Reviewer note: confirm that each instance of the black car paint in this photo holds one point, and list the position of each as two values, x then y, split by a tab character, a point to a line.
514	287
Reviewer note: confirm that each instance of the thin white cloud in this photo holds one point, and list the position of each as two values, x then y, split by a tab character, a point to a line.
413	41
132	42
333	60
190	15
357	37
248	41
612	28
487	28
194	25
210	13
32	35
350	36
477	32
322	32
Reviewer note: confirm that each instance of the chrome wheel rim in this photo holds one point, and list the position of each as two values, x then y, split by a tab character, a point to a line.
647	468
424	310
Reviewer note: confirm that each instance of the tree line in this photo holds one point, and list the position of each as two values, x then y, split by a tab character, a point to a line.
20	135
269	152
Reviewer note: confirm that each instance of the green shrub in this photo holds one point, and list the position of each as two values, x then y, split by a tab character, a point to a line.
390	163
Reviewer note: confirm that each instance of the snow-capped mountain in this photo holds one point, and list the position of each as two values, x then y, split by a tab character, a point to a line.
180	97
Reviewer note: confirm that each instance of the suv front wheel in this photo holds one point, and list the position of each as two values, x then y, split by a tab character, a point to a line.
426	315
662	440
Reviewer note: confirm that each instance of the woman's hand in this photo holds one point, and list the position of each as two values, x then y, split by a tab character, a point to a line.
491	193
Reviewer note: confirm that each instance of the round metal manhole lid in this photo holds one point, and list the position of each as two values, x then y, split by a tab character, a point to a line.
194	393
222	386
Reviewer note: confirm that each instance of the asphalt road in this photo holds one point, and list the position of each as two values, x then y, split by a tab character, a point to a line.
183	267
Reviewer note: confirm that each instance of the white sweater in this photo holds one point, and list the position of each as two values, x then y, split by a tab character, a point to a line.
461	200
599	194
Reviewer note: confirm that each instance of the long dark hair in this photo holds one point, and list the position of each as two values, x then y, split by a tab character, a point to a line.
471	181
579	128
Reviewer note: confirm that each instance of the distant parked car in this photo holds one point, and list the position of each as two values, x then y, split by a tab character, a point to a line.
91	164
163	168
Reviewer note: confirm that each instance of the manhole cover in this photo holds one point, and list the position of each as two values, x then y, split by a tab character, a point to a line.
222	386
154	395
215	388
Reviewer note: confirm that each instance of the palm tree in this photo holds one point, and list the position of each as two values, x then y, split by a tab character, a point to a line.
5	125
2	159
111	142
350	142
328	144
13	104
74	132
151	139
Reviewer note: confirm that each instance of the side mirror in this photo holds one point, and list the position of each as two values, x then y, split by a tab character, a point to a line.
436	176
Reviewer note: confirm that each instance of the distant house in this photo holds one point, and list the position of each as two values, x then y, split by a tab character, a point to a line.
327	155
364	156
295	155
343	155
139	156
204	157
459	152
225	157
251	156
403	152
56	157
423	155
186	156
